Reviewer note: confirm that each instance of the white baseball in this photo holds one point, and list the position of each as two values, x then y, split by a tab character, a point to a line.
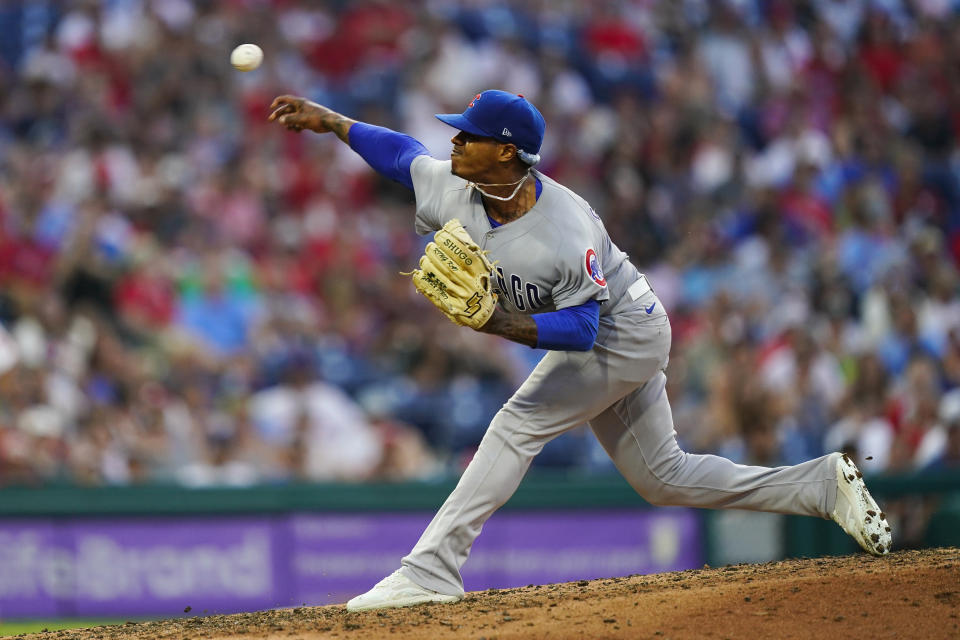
246	57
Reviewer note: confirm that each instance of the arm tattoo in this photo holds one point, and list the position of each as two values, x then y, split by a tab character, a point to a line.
512	326
338	124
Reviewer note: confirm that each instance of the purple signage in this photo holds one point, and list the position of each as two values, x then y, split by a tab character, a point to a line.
543	548
140	567
30	573
338	556
159	566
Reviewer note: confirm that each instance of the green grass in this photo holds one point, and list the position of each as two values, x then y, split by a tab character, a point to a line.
12	628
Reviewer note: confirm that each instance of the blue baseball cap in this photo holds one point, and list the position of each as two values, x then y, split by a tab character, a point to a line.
504	116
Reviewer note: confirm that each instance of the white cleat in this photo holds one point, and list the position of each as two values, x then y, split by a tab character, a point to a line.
857	512
397	590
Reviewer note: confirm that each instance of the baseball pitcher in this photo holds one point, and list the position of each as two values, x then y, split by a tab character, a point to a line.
518	255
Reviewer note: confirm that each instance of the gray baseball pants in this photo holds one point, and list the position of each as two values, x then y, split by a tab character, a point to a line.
619	389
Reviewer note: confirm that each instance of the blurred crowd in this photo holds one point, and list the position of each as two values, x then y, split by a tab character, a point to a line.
189	294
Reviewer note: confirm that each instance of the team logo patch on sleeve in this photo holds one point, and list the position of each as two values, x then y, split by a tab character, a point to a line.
593	268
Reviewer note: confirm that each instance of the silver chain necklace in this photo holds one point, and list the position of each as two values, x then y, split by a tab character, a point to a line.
519	183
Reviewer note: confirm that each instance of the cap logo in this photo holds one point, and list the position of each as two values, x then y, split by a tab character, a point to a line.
475	98
506	133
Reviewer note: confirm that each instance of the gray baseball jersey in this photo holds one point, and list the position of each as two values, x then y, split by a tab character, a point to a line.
555	256
558	255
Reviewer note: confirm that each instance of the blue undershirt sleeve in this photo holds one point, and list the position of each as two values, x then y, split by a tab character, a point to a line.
570	329
388	152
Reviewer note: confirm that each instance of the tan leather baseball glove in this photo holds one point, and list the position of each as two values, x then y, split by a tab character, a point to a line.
455	274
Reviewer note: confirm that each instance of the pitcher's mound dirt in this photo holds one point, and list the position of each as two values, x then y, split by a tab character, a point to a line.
908	594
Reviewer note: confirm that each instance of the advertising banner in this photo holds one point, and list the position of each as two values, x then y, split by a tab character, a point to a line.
140	566
339	556
31	557
160	566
